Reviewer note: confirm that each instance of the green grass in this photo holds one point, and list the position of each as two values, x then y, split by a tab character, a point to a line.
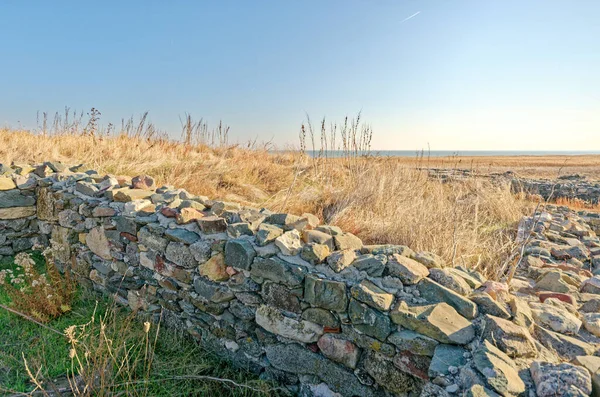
174	354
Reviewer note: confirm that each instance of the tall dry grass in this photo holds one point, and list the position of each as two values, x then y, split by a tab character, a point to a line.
382	200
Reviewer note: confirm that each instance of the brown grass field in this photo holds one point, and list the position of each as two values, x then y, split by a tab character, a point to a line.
543	167
382	200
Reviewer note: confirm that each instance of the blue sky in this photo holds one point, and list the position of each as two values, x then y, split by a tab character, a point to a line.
458	75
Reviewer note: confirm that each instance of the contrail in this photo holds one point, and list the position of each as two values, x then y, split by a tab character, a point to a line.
410	17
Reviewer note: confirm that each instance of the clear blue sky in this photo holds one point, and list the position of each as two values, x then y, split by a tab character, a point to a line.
458	75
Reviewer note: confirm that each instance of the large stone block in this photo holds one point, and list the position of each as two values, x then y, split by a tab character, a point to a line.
326	294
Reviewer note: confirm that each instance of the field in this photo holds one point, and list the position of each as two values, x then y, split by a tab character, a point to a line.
544	167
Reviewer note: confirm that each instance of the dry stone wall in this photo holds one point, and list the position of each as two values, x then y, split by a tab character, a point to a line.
305	305
568	186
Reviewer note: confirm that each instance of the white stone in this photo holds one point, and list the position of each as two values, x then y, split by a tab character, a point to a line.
289	243
300	330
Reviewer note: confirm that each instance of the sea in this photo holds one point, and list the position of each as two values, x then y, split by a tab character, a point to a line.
459	153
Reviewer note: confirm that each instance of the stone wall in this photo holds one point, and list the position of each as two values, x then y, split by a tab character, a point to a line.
570	187
305	305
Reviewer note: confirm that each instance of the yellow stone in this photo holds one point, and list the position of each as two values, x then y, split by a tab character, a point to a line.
125	195
16	212
214	269
82	237
188	214
6	183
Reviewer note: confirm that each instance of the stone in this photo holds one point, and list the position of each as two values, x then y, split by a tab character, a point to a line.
440	322
42	170
326	294
413	364
318	237
472	278
180	254
299	360
591	285
281	297
592	364
17	212
497	290
562	379
241	311
69	218
450	280
86	188
567	298
212	224
201	250
6	183
289	243
151	240
278	270
369	321
239	229
414	342
512	339
46	207
100	211
314	253
388	376
521	312
214	269
407	270
140	207
435	292
556	318
372	295
329	229
267	233
444	357
55	166
320	316
347	241
340	260
187	215
211	291
239	254
373	265
273	321
145	182
98	243
498	369
14	198
125	195
339	350
591	306
487	305
181	236
62	239
429	259
479	391
565	346
554	281
591	322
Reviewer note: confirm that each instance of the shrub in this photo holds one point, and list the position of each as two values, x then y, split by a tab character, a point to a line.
41	292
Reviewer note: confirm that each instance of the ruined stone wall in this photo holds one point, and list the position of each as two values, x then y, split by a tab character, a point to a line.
306	305
570	187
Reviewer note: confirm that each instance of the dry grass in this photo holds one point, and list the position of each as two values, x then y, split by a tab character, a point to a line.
578	204
548	167
383	200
